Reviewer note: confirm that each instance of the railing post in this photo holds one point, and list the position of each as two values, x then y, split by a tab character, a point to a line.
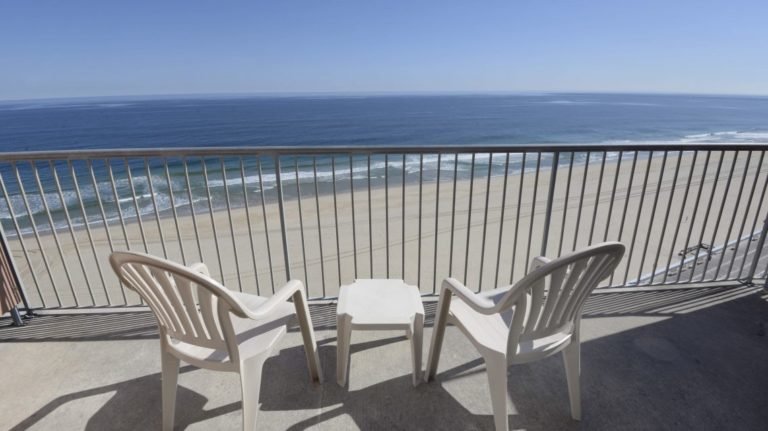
550	198
281	210
760	244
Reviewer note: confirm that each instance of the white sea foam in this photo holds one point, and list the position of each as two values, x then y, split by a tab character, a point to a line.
730	136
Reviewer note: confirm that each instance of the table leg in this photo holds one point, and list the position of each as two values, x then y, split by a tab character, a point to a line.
343	336
416	346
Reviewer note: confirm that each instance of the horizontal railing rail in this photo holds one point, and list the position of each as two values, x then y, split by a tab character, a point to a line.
688	213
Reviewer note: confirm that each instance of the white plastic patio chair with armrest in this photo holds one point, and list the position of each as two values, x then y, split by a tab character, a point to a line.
209	326
536	317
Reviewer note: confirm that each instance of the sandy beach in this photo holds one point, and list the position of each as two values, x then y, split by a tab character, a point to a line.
395	237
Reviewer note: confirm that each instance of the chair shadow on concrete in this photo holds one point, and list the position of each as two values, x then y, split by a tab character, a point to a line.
393	404
135	405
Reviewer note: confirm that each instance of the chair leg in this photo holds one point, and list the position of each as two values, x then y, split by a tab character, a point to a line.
308	335
496	367
416	346
572	362
170	379
438	332
250	383
343	336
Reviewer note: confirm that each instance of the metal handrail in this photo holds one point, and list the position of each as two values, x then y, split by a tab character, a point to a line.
491	215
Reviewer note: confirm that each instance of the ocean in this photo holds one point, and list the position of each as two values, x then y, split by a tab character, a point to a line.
423	121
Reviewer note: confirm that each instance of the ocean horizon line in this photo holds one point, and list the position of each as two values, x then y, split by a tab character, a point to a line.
345	94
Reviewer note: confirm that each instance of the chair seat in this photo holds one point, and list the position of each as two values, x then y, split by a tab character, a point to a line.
253	336
491	331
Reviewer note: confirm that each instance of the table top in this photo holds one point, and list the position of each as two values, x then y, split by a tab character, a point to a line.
379	302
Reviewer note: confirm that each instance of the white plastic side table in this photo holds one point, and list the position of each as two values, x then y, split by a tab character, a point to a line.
378	305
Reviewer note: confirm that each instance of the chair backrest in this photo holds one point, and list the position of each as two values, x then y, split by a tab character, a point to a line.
550	298
189	306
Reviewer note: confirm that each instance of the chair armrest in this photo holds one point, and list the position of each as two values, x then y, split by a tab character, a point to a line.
538	261
201	268
477	302
286	292
282	295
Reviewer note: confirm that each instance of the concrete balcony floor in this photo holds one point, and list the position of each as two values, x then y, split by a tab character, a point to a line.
672	359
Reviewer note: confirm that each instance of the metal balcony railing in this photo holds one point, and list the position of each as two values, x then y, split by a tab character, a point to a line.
689	214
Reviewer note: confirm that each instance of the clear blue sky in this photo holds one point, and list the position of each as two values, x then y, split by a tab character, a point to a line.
74	48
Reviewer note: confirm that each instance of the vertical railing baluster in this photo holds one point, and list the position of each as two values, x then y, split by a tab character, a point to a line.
192	208
517	219
154	206
421	178
639	212
352	208
266	226
680	215
370	217
613	197
437	220
453	212
581	200
204	164
485	220
402	218
301	226
231	225
336	216
469	217
533	209
744	218
119	208
653	214
319	225
626	205
597	197
719	218
550	198
100	203
693	217
565	205
501	220
116	196
386	207
735	210
706	216
172	199
281	211
248	223
57	184
136	204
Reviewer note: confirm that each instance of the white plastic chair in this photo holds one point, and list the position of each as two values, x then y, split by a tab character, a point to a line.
536	317
209	326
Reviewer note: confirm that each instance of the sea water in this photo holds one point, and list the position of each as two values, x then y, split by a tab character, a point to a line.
320	120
